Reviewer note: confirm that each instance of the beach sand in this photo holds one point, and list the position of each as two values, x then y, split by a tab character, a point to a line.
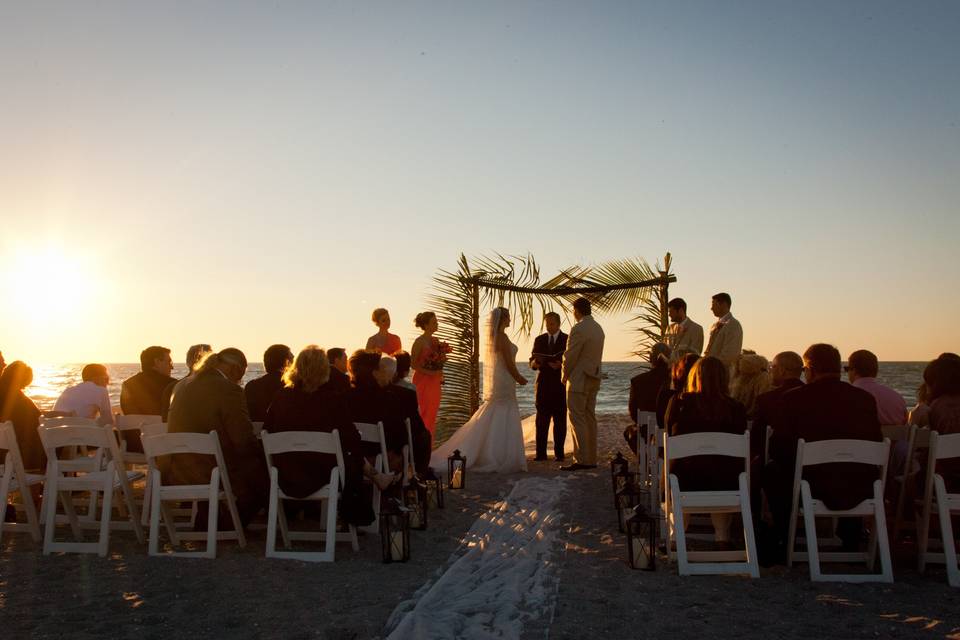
589	590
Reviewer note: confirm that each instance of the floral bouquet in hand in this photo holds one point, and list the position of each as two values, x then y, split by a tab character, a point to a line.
437	357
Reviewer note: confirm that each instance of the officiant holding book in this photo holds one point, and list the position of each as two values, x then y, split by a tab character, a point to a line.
551	397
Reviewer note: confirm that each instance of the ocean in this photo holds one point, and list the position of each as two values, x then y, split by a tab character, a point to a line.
50	380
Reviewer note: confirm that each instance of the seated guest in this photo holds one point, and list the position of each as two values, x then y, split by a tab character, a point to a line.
920	413
942	377
705	405
339	379
750	378
383	341
403	371
402	406
3	364
195	355
90	398
678	382
260	391
825	408
308	403
862	369
214	401
645	389
16	407
142	394
367	400
785	372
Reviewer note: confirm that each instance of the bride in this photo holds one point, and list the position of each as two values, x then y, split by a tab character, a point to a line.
492	439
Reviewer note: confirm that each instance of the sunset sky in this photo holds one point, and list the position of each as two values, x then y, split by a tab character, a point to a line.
249	173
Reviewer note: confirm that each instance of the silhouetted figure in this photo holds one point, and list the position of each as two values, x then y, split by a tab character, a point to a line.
142	394
260	391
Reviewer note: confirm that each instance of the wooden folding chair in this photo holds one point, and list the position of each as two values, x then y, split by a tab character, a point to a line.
846	451
682	503
66	475
219	488
328	495
935	495
15	480
373	434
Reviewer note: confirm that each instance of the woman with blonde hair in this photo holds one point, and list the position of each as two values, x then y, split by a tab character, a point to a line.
751	377
383	341
307	403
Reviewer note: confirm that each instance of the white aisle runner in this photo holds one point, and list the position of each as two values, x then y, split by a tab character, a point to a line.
507	577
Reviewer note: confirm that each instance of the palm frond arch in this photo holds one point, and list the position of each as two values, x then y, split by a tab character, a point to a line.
514	282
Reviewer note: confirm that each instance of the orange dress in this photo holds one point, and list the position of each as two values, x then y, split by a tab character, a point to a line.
428	388
391	345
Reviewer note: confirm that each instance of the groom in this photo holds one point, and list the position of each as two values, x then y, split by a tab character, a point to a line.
581	374
551	397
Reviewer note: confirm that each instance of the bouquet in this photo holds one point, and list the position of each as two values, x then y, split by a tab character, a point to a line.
437	357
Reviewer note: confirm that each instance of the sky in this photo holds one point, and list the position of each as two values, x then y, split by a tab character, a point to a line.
248	173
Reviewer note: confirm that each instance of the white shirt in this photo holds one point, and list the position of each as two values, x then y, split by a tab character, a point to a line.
86	400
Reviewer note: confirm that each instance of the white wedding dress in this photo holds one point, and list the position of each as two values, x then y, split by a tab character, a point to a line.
492	439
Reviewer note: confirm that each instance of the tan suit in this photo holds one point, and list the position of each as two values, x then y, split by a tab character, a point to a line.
685	337
581	373
726	340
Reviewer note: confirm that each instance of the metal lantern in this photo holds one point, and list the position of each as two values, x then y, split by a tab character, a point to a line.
619	474
434	488
415	499
395	533
456	470
642	539
627	498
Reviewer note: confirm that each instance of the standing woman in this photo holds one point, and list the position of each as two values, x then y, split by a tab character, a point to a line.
383	341
427	379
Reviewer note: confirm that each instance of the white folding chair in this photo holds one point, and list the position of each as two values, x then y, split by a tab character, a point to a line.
66	475
845	451
682	503
947	505
15	480
148	429
909	482
328	495
134	422
219	488
373	434
434	484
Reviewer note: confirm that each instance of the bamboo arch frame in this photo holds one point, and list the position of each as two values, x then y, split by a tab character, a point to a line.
514	283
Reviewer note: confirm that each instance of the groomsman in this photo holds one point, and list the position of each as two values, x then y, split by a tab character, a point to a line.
551	399
726	335
683	335
581	374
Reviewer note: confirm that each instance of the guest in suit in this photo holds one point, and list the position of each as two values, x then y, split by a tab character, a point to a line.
679	374
401	406
751	377
214	401
705	405
339	379
16	407
825	408
683	335
862	369
195	355
142	394
308	403
645	389
260	391
550	396
726	335
581	375
785	372
383	341
403	371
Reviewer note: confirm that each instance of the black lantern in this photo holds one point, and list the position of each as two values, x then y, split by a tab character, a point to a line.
456	470
627	498
642	539
434	487
415	499
395	532
619	474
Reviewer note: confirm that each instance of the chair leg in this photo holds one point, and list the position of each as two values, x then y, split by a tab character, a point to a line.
66	497
810	530
792	531
678	528
746	514
5	491
153	542
946	532
213	511
147	498
106	513
881	538
50	510
330	545
272	514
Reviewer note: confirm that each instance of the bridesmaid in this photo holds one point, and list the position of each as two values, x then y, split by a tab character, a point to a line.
383	341
427	381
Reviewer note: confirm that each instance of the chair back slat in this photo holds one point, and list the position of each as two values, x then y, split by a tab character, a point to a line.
369	432
947	446
302	441
168	444
853	451
67	421
129	422
709	443
73	436
921	439
153	429
896	432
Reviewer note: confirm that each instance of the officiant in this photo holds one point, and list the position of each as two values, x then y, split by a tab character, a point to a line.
551	398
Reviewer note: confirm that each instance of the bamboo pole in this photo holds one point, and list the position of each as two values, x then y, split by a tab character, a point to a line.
475	351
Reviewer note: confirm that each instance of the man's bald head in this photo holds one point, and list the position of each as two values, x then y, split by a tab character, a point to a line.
786	365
